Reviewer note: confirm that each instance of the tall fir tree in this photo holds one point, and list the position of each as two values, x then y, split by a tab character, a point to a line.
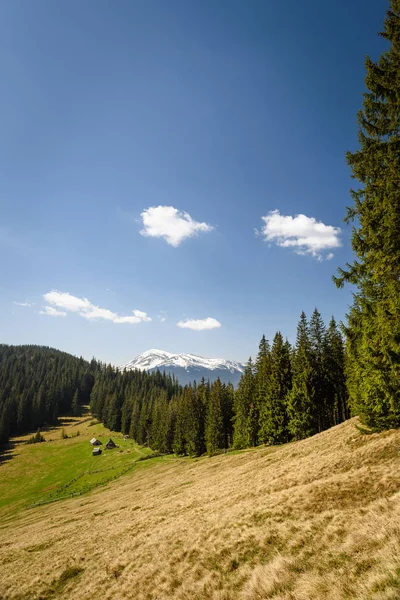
244	398
334	360
259	415
194	422
373	329
274	418
300	400
214	432
76	407
317	336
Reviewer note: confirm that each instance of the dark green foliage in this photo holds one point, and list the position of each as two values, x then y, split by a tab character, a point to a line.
245	399
292	393
334	357
37	384
36	439
373	329
215	420
259	418
318	373
301	408
273	416
76	407
140	404
287	394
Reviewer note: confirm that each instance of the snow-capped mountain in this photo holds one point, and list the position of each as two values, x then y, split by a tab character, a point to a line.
187	367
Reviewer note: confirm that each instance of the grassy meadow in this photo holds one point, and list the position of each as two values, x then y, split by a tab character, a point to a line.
312	520
49	471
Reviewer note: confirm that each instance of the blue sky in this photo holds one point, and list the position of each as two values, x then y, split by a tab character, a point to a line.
222	110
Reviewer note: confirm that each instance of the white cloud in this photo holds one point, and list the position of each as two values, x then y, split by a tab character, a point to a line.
25	304
52	312
199	324
90	311
305	234
171	224
163	319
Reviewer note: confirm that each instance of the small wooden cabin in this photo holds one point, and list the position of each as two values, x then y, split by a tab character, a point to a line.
96	451
95	442
110	444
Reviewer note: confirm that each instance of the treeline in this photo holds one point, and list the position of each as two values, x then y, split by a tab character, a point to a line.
128	401
156	411
289	393
37	384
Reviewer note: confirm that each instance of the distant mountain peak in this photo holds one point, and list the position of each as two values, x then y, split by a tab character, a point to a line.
186	367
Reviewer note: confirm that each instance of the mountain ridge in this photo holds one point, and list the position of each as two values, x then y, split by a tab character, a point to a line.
187	367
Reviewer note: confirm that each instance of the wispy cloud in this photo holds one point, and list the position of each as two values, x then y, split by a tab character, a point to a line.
305	234
199	324
171	224
24	304
52	312
87	310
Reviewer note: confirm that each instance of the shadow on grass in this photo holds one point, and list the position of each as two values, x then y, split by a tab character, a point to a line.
6	452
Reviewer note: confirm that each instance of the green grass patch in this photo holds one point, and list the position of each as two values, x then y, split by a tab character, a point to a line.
52	470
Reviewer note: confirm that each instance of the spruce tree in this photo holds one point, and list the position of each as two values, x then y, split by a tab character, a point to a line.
300	399
244	398
319	377
228	398
373	329
179	443
214	432
334	360
259	415
274	419
76	407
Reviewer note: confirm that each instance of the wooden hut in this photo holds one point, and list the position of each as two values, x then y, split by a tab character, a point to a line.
110	444
96	451
95	442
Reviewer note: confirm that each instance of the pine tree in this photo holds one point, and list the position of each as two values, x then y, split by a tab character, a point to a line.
334	360
260	412
194	423
214	432
228	398
160	423
317	336
179	443
274	419
76	407
244	398
300	400
373	330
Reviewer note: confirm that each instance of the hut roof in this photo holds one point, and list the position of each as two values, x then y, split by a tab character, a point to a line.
111	444
95	442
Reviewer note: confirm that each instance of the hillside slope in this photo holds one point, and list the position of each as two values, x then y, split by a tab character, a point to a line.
312	520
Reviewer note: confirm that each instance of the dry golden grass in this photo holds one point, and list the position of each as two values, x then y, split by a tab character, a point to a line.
313	520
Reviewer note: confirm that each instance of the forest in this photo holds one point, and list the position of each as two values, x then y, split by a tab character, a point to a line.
289	393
